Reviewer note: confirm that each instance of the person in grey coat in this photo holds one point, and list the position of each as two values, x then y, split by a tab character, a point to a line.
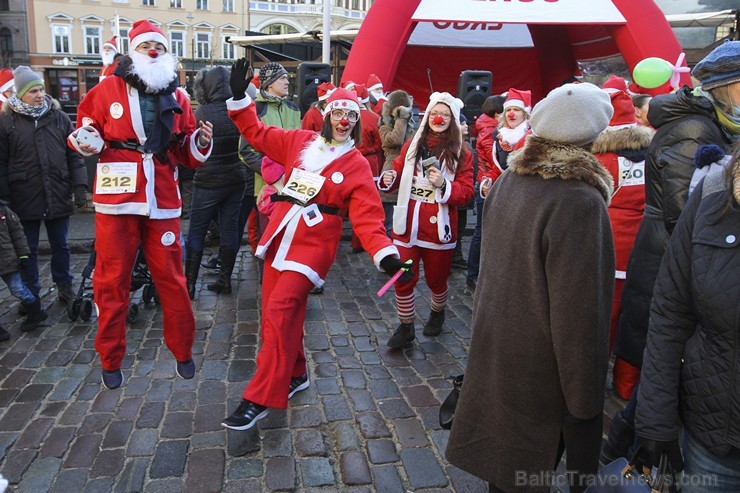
40	175
535	379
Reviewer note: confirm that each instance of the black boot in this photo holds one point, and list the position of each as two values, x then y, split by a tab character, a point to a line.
65	293
434	324
36	315
403	336
618	442
223	282
4	334
192	266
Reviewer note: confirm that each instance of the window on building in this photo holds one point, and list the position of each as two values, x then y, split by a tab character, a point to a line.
203	45
201	4
92	40
177	43
123	40
6	44
176	4
4	5
228	5
61	39
355	5
148	3
279	28
228	49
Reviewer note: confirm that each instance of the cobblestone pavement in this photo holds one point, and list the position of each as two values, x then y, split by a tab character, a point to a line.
368	422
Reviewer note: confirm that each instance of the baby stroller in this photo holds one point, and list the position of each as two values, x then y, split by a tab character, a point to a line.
82	305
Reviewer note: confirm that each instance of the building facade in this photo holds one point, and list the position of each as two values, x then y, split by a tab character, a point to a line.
13	33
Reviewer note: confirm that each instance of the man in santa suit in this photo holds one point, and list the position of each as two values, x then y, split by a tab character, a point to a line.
110	57
377	95
314	119
142	127
325	179
7	88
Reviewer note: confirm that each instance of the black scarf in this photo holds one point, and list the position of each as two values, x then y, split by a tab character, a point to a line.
165	103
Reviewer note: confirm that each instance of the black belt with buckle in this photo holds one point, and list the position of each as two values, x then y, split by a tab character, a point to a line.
129	146
325	209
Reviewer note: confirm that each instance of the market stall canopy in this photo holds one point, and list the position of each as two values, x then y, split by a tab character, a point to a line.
307	37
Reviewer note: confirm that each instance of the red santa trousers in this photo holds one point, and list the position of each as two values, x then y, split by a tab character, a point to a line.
281	356
117	238
437	264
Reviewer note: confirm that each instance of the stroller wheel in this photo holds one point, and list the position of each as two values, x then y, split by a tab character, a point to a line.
146	294
73	309
155	295
133	312
86	311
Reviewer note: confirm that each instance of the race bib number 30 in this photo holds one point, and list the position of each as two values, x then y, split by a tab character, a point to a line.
115	178
303	185
422	189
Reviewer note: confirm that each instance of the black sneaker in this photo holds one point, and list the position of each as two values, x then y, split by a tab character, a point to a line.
245	416
112	379
297	384
185	369
214	263
403	336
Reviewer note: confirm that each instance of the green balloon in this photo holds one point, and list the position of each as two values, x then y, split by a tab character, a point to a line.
652	72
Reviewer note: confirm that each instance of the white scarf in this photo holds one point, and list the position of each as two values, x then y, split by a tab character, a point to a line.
318	154
513	135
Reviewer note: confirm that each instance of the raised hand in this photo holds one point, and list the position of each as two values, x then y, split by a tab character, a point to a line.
238	80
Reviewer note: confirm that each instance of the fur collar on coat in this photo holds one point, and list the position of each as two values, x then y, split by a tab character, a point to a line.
552	160
631	138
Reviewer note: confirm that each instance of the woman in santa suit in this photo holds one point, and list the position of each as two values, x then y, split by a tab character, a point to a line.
434	176
510	135
326	178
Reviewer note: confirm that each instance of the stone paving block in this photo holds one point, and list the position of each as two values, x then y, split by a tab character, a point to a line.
326	370
7	440
69	480
382	451
208	418
327	386
133	476
83	451
94	423
336	408
410	433
339	341
117	434
17	379
384	389
354	468
387	480
214	370
64	389
353	379
240	443
280	474
57	442
16	463
142	443
33	392
35	359
243	485
404	376
305	417
463	482
59	358
277	443
245	468
160	390
16	416
372	425
344	436
108	463
169	459
99	485
213	439
212	393
40	475
150	415
129	408
170	485
278	418
316	342
136	386
422	468
205	471
34	434
48	375
7	396
309	443
395	408
104	402
316	472
177	425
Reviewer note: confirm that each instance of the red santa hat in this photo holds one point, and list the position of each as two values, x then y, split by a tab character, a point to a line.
624	110
374	83
347	84
112	43
362	95
255	81
324	90
341	99
145	31
615	82
519	99
6	82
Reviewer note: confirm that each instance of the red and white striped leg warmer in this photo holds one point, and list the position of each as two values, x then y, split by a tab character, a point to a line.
405	305
439	301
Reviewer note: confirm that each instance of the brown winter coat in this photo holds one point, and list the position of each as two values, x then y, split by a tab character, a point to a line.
539	346
394	132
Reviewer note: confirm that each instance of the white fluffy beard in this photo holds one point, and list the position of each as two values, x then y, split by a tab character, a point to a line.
108	57
156	73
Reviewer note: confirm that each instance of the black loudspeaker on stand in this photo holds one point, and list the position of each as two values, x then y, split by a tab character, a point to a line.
473	89
310	75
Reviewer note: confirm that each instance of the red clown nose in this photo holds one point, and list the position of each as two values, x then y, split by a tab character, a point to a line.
344	122
438	120
153	53
510	116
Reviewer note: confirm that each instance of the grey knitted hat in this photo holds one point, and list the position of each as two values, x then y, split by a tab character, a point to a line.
24	79
721	67
572	114
269	73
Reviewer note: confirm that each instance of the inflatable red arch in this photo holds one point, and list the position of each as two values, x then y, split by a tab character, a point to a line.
527	44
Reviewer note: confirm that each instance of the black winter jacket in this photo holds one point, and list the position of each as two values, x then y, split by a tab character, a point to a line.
223	168
38	172
691	369
684	122
13	242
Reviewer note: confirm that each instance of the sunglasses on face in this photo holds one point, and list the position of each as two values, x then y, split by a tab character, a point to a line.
338	115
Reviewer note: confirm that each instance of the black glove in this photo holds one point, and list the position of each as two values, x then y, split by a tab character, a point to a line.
651	450
80	194
23	261
391	264
238	80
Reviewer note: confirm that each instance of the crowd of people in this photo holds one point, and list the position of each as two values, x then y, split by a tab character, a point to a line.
587	239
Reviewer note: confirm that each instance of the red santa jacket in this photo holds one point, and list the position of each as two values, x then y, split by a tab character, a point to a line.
499	152
309	240
108	70
484	127
112	108
371	146
628	202
377	107
313	120
422	217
